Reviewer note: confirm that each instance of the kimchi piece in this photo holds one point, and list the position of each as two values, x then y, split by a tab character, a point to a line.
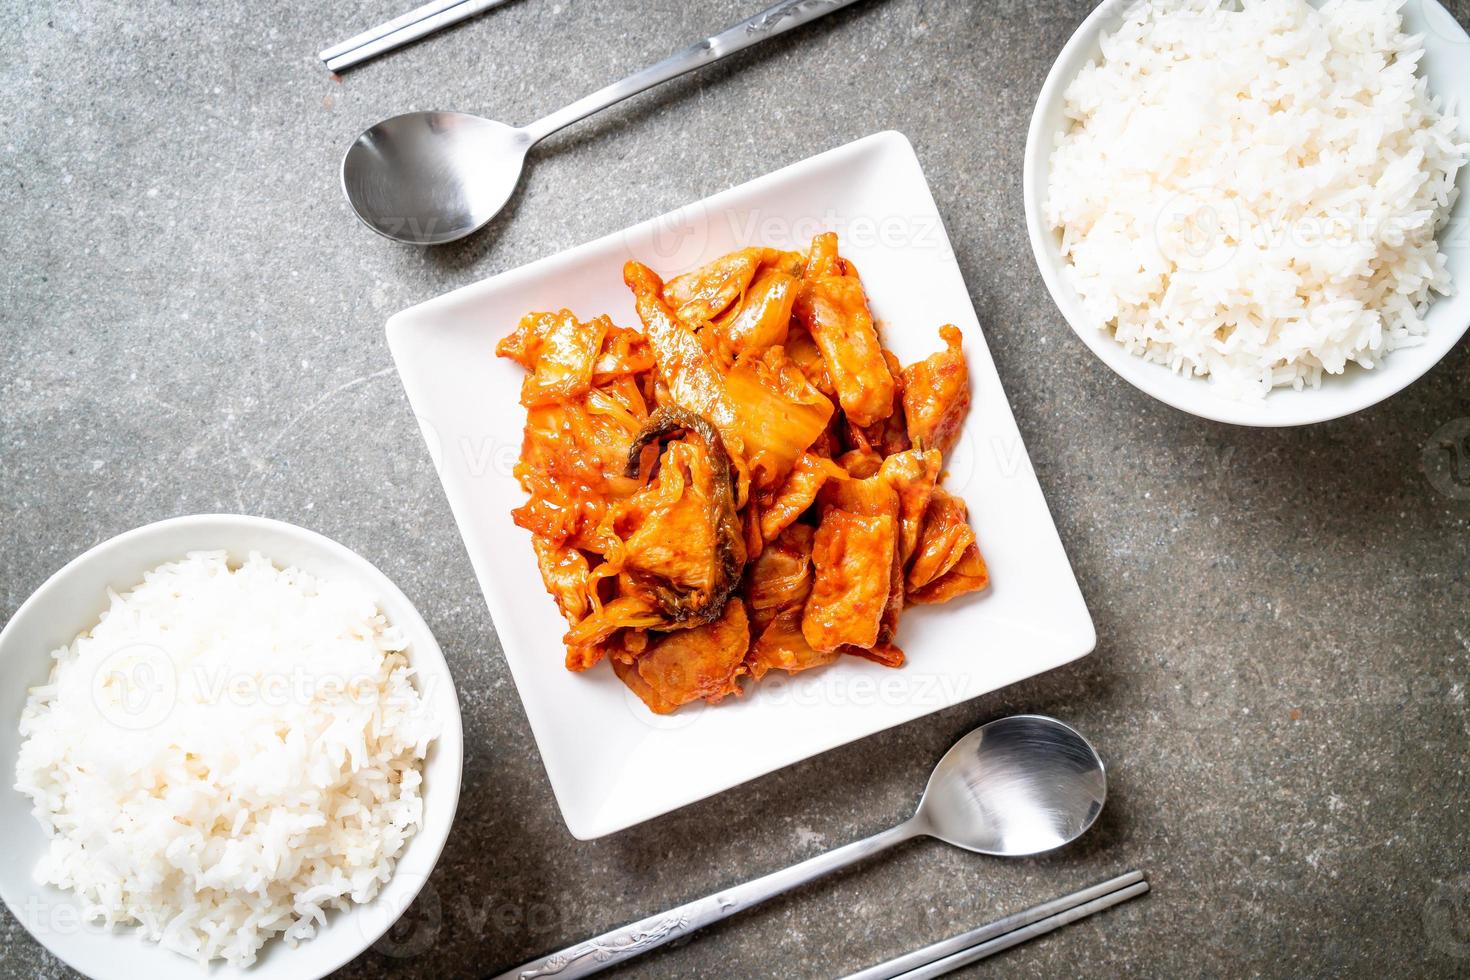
832	306
944	538
745	481
780	414
936	395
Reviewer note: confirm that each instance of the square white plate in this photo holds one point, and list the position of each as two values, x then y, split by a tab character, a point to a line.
611	762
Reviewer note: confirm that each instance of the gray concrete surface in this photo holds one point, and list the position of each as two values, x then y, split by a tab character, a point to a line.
192	321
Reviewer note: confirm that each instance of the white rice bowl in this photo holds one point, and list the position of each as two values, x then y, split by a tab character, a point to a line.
1252	192
226	755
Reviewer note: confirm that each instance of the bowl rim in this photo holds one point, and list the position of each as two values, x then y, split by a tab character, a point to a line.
1150	377
426	652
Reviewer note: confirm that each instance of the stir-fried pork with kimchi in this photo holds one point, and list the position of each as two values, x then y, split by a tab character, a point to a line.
749	483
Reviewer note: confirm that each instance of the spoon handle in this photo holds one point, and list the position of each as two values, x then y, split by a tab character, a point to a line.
639	937
768	23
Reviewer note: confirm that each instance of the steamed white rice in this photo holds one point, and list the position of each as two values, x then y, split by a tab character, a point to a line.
1251	190
226	755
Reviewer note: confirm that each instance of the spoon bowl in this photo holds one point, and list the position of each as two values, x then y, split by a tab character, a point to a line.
1017	786
427	178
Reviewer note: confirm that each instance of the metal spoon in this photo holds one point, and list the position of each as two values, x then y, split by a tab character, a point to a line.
1019	785
426	178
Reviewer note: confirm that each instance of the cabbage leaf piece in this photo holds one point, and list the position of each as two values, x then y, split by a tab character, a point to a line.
936	395
779	413
943	540
691	376
969	574
558	352
762	318
573	455
701	295
781	578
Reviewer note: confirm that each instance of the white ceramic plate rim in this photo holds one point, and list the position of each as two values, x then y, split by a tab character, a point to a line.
1449	316
416	863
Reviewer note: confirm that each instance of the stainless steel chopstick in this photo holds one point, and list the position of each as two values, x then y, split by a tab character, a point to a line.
940	967
386	37
387	27
957	951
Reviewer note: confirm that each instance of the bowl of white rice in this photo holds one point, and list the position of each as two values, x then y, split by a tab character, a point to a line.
231	748
1257	212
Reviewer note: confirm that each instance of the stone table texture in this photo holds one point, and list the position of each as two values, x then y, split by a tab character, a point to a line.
193	321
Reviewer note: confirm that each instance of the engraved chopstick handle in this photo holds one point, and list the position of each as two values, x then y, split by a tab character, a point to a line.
627	942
